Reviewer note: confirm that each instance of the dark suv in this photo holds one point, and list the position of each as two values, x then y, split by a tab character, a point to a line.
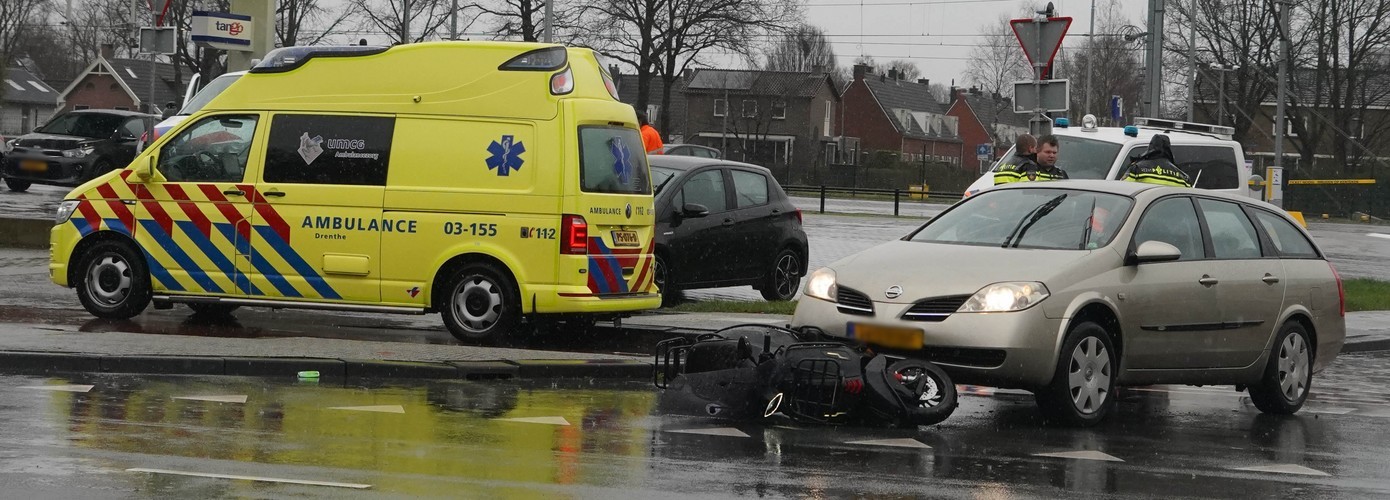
722	223
74	147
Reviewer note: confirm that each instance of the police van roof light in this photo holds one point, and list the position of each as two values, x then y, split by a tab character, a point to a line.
288	58
1088	123
1062	123
546	59
1132	131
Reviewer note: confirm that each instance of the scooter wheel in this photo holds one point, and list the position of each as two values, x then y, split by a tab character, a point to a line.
925	390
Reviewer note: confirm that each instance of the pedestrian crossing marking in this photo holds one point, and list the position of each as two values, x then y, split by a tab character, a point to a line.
378	408
1285	469
1081	455
900	443
63	388
239	398
537	420
716	431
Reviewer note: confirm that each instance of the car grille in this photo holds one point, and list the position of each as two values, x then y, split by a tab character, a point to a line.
851	301
935	309
963	356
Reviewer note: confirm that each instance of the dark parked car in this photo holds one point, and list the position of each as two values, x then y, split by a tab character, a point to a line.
74	147
690	150
722	223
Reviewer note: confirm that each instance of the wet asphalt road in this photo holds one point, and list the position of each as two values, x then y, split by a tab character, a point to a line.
135	437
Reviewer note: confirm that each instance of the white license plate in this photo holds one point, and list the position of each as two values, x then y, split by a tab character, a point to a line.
626	239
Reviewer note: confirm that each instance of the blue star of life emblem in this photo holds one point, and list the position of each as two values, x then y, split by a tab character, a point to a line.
506	156
622	164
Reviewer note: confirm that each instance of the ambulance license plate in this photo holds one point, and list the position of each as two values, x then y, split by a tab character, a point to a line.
626	239
33	166
886	336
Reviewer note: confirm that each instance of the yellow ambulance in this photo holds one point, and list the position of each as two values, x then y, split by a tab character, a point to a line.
492	182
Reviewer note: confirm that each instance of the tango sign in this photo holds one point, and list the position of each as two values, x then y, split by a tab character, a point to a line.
222	30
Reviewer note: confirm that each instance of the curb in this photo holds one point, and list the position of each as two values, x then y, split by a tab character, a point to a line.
25	233
1366	346
42	363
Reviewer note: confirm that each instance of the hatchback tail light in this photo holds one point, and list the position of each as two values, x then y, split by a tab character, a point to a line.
1341	292
574	235
798	216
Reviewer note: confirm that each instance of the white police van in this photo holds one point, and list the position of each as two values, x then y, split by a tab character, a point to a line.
1205	152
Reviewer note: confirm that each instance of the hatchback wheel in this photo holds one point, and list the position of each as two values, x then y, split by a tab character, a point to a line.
661	275
480	303
18	185
1289	374
114	283
1083	385
785	277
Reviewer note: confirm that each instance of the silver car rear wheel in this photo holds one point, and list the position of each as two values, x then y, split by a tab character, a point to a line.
1289	373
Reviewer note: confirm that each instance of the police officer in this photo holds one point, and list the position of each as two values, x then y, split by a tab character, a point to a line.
1157	165
1022	161
1046	168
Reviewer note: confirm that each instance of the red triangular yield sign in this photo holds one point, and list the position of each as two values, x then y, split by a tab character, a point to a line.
1044	48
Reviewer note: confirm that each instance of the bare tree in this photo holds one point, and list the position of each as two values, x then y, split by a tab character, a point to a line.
307	22
1113	62
525	19
805	48
1229	34
997	61
405	21
17	17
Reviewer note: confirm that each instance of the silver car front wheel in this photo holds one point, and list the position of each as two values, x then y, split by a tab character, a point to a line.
1084	378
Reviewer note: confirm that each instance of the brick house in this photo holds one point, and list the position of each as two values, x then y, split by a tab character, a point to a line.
985	119
25	102
901	117
786	121
124	84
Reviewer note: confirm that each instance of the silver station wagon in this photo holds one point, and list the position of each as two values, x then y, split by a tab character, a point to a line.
1070	288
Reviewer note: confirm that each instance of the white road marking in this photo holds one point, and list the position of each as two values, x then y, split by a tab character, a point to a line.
378	408
64	388
1330	410
1382	413
1378	235
252	478
1284	469
537	420
238	398
716	431
1080	455
900	443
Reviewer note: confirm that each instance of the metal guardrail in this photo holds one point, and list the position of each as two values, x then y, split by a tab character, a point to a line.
897	194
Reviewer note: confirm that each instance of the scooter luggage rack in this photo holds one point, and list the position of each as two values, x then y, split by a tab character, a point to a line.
816	386
670	360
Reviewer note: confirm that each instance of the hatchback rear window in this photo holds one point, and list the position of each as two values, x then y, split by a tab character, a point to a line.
611	160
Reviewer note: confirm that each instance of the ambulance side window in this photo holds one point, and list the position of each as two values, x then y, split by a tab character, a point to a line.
212	150
329	149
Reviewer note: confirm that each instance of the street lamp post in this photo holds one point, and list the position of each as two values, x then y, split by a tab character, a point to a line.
1221	91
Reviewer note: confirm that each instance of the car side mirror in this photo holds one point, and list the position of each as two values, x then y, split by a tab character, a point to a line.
1154	251
694	211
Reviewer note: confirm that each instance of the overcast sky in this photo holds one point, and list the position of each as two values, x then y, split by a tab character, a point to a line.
935	34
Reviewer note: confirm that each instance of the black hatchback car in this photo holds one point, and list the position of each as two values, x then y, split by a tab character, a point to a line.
74	147
722	223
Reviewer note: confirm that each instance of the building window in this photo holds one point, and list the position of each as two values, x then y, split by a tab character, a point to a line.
653	110
1288	124
825	125
750	108
721	107
81	106
779	109
831	151
122	108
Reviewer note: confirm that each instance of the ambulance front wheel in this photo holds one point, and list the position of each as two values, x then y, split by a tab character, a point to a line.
114	283
480	303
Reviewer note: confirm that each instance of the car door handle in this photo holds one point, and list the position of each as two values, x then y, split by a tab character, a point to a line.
1207	281
276	194
234	192
1270	279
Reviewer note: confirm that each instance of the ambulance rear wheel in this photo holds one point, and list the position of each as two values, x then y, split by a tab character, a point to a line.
114	283
480	303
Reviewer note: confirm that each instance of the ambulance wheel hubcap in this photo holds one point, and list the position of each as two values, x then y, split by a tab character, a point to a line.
478	303
108	280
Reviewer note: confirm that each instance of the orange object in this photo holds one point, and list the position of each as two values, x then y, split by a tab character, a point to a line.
651	139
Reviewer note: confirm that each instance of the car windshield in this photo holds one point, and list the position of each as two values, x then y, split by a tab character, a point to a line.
1062	219
660	176
95	125
213	89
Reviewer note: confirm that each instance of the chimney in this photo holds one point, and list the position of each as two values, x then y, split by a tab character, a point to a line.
893	74
614	72
974	90
108	51
687	74
860	70
817	68
925	82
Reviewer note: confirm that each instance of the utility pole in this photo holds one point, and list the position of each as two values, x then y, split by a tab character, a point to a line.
1280	125
405	22
1090	55
549	21
1191	59
453	19
1154	88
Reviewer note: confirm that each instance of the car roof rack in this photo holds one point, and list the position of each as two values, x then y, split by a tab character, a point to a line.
1207	129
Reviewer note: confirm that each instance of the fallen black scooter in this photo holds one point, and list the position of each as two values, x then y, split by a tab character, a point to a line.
758	371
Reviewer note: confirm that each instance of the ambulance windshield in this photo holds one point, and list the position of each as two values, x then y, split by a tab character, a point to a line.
612	161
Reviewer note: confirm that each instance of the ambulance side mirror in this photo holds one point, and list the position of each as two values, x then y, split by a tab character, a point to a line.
146	173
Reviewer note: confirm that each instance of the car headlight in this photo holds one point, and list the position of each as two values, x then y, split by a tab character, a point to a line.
821	284
78	152
65	210
1004	297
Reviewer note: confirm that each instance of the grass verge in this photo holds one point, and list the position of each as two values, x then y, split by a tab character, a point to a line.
1367	294
737	306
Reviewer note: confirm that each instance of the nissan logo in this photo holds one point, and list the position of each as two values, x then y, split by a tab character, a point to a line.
893	292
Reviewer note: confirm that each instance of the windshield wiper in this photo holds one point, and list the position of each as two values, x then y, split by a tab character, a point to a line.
662	185
1032	217
1090	223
